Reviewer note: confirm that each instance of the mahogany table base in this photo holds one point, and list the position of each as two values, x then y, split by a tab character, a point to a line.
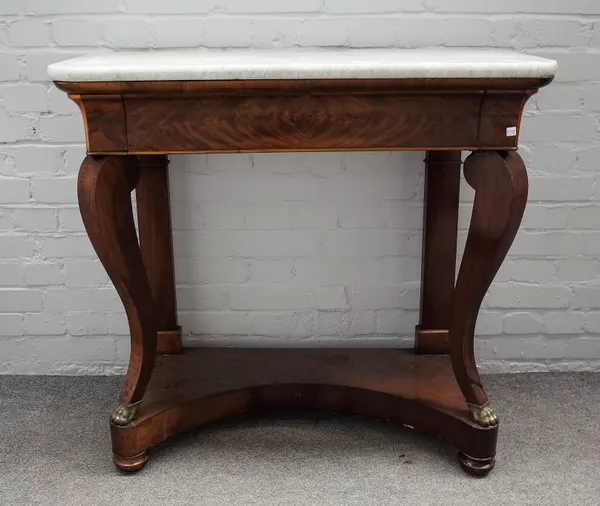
441	394
203	385
131	126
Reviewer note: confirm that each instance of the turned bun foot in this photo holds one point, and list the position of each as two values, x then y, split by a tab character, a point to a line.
131	464
476	467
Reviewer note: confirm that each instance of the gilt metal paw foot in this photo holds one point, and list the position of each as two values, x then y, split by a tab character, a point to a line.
483	415
124	414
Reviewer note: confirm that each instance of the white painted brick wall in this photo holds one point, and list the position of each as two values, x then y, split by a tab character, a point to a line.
297	249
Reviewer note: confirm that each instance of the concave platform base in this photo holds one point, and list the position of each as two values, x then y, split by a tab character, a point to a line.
202	385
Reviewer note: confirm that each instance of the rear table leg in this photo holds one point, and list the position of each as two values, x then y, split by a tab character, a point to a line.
442	182
156	243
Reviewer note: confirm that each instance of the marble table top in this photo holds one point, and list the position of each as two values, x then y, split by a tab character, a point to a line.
248	64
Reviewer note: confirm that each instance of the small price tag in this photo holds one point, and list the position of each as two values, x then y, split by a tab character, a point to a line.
511	131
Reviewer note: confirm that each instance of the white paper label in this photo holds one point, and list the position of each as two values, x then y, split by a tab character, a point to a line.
511	132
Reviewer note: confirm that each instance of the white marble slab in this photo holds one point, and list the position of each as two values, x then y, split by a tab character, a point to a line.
230	64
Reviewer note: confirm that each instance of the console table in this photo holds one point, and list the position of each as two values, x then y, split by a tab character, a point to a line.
139	107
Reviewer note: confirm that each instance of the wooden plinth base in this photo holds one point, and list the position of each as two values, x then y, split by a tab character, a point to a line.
436	342
203	385
168	341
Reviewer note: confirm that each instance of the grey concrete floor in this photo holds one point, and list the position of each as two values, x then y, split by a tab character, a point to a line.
55	450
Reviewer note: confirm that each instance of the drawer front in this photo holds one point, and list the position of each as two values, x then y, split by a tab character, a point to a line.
230	123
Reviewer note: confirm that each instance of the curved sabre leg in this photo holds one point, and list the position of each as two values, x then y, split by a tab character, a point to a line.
500	183
104	190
